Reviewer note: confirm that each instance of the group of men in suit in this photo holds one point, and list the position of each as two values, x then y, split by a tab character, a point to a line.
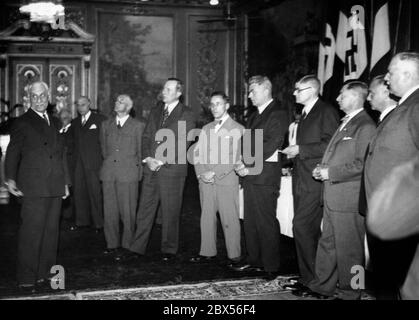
337	170
335	167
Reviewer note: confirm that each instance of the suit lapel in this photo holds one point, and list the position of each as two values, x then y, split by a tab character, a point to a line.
174	115
261	118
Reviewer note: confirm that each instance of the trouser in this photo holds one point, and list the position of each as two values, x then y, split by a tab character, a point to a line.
37	238
120	203
340	255
168	191
225	200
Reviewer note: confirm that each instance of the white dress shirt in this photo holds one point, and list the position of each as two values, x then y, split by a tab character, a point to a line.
348	118
122	120
307	108
407	94
264	106
223	119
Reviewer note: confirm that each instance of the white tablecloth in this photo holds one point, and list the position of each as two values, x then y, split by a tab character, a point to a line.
284	208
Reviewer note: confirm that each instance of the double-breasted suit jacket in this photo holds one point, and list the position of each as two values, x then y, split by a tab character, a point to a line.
35	159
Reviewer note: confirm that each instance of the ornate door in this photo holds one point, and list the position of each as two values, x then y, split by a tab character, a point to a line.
62	75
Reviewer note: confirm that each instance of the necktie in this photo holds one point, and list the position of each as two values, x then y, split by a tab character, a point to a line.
304	115
165	115
45	118
119	125
344	120
220	122
83	121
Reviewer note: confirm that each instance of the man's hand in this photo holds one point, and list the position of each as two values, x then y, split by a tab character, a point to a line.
291	151
11	186
241	169
321	173
153	164
207	177
66	192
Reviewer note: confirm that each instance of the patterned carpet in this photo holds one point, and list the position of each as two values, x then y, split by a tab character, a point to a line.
219	290
200	291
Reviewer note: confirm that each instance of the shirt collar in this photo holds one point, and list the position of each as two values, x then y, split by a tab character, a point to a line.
387	111
407	94
87	115
223	119
65	129
307	108
41	114
353	114
264	106
171	106
122	120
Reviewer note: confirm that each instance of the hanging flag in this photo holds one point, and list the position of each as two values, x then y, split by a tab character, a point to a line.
327	52
351	43
328	65
381	34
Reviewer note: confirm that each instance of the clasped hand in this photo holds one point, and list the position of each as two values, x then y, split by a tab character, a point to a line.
153	164
241	169
321	172
207	177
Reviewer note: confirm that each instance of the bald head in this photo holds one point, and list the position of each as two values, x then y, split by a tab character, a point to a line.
403	73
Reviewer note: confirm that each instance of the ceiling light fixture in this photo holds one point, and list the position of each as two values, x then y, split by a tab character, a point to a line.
214	2
44	11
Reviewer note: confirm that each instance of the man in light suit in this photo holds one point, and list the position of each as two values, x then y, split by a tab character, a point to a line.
396	142
36	170
85	131
121	171
318	122
164	175
261	189
218	151
341	245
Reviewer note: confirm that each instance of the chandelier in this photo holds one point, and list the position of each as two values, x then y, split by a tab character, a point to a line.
44	11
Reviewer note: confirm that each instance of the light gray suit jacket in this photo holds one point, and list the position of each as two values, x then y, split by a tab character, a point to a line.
220	151
121	149
345	158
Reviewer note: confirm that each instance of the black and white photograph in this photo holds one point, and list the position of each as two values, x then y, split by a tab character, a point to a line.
212	152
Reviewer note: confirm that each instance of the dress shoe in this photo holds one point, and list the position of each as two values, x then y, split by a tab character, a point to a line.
128	255
168	257
313	294
201	259
302	292
26	288
246	267
269	276
295	286
110	251
78	228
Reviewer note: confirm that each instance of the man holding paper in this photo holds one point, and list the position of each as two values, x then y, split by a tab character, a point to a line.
318	122
261	187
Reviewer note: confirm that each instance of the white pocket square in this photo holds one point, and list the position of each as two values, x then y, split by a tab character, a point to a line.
347	138
93	126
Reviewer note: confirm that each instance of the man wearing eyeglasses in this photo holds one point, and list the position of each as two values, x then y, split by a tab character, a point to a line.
318	122
36	170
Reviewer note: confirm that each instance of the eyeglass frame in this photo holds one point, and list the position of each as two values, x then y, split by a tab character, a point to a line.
299	90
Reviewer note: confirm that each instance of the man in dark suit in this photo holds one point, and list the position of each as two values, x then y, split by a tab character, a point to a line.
165	170
395	142
341	245
261	189
121	139
36	171
393	214
318	122
65	117
85	130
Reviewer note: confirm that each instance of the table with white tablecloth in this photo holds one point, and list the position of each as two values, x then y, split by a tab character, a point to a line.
284	208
